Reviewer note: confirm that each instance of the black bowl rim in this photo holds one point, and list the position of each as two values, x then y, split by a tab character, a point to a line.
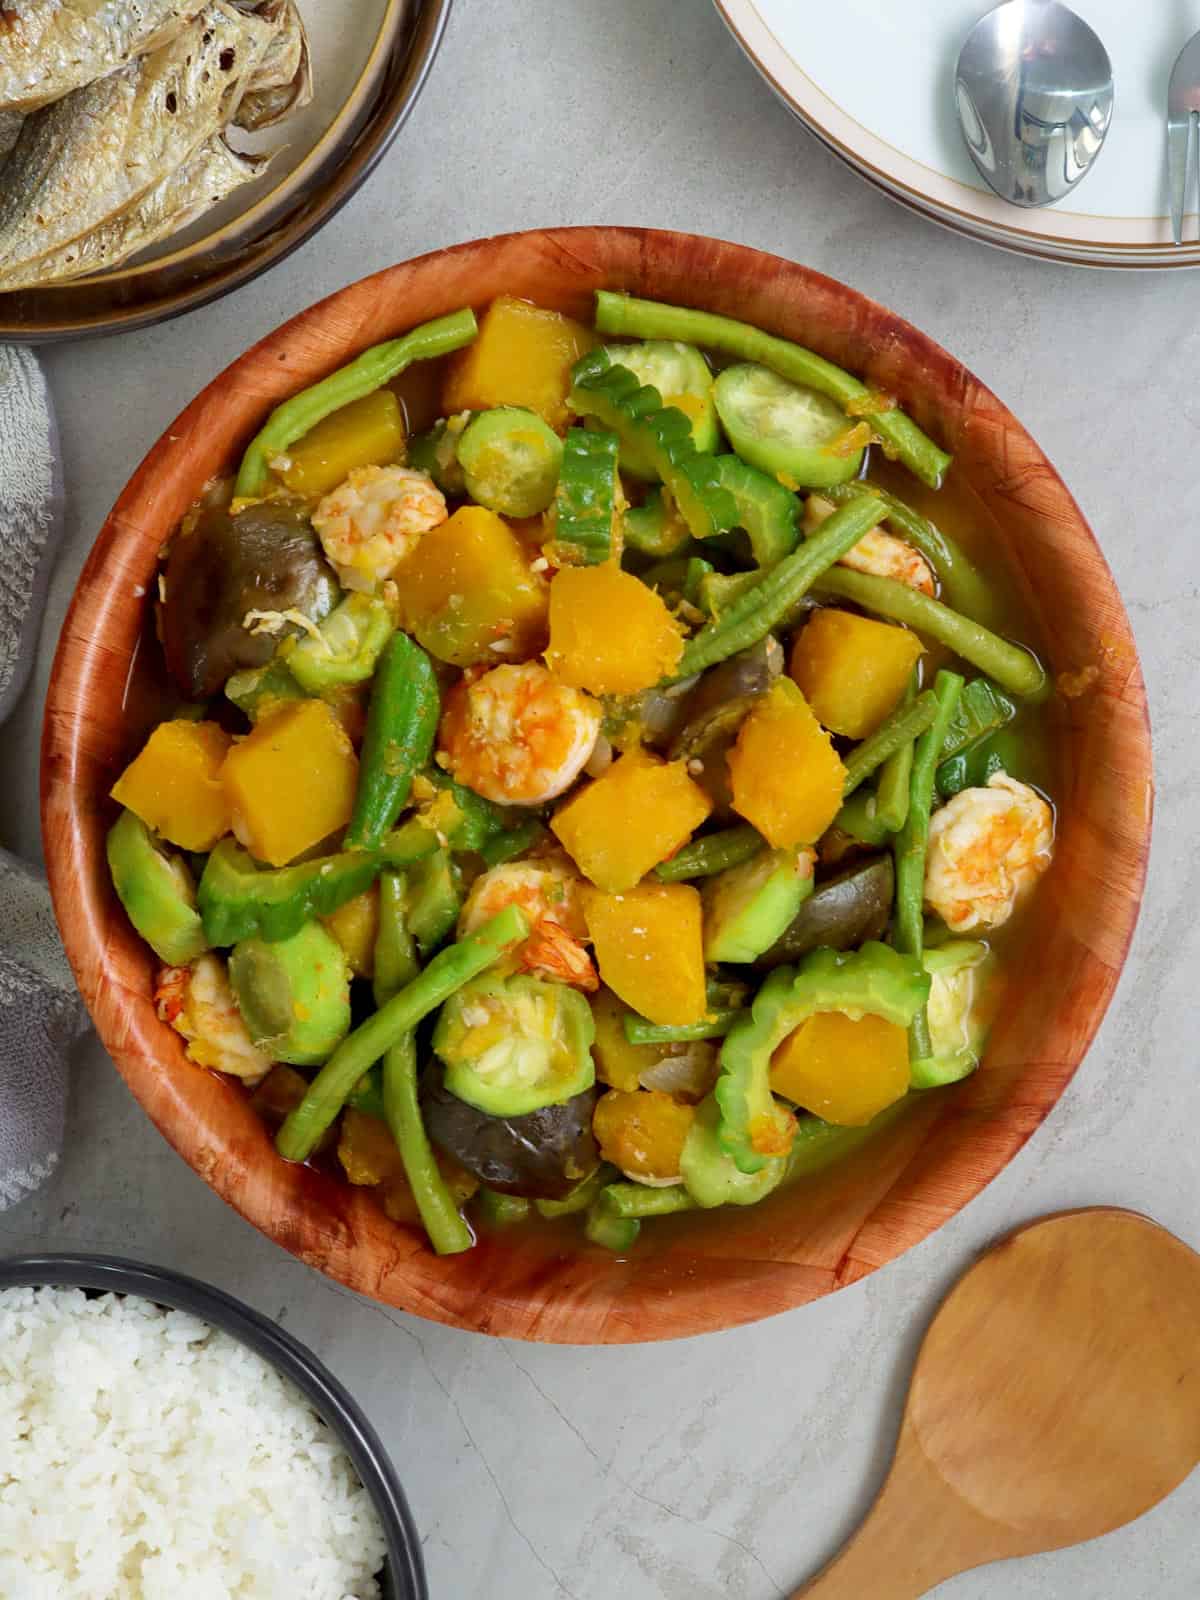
189	289
328	1397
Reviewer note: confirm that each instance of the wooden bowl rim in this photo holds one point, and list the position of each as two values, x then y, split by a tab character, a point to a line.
136	1040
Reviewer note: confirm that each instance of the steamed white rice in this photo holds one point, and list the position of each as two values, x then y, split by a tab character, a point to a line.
147	1456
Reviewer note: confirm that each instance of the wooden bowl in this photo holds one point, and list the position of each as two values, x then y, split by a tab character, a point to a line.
690	1275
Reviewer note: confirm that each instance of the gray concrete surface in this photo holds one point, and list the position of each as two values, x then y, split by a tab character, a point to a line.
727	1466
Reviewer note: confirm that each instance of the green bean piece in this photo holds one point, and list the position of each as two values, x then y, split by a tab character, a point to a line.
714	1025
445	974
649	319
895	776
638	1200
1012	666
508	846
402	722
448	1233
367	1095
580	1197
361	377
396	961
611	1232
859	817
899	729
502	1210
764	605
912	843
396	966
962	586
705	857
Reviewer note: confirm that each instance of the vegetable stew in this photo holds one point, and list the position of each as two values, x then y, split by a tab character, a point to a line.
606	769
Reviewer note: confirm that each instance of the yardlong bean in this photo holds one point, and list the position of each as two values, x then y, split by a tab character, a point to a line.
361	377
714	1025
448	1233
962	586
912	842
895	776
903	726
712	854
763	606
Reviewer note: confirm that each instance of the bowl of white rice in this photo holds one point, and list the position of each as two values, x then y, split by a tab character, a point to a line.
159	1440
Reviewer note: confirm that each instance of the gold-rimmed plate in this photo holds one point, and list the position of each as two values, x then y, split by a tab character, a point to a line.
875	84
370	62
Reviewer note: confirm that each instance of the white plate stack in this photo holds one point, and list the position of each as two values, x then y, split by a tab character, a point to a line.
875	83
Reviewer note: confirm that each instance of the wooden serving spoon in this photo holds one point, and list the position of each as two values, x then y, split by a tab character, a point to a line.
1056	1397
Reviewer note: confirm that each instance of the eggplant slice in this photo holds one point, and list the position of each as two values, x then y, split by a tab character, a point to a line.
541	1156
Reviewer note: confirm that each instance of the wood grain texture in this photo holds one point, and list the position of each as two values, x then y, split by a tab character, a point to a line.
686	1277
1056	1397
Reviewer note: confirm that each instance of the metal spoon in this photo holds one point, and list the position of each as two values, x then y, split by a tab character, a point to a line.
1034	88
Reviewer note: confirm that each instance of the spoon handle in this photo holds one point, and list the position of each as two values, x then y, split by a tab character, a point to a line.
916	1535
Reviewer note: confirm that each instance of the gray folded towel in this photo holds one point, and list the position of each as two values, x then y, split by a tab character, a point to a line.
40	1010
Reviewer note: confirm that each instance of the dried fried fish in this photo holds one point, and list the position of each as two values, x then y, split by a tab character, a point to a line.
48	48
89	157
10	131
206	178
283	82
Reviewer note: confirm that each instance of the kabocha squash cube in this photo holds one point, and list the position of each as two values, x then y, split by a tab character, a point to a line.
649	948
609	633
852	670
642	1132
369	1157
175	786
787	778
355	925
522	357
618	1063
366	433
844	1070
291	782
468	593
624	823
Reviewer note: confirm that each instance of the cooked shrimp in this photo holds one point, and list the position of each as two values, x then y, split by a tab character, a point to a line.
516	735
881	554
369	523
548	892
987	849
198	1003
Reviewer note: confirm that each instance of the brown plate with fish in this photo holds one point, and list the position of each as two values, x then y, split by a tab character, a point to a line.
368	69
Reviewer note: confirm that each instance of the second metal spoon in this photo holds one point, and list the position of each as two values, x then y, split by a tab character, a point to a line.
1034	88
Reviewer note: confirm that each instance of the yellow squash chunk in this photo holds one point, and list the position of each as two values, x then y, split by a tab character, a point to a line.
609	633
175	787
852	670
291	782
468	593
355	926
618	1063
280	1092
369	1157
522	357
786	776
366	433
637	814
649	948
842	1070
642	1133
